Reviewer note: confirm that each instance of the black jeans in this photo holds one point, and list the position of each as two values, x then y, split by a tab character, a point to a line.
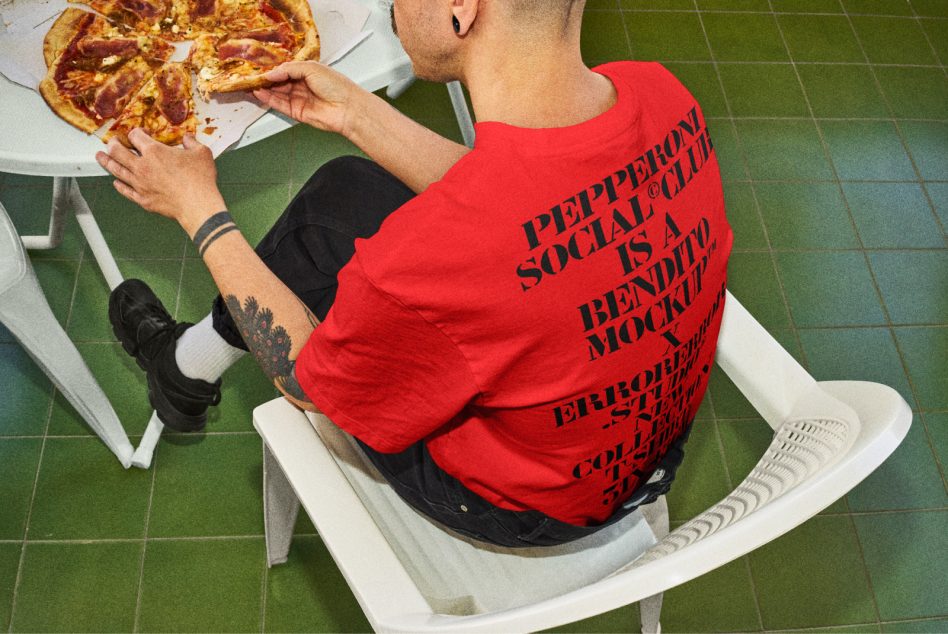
348	198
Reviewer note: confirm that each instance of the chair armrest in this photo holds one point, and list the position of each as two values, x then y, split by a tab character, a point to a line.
364	557
762	370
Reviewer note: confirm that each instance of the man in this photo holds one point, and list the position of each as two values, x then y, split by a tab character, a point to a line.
522	346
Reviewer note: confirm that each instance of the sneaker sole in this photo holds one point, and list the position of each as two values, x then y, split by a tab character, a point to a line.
179	422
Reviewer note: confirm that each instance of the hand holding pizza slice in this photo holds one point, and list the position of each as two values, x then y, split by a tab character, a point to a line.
281	31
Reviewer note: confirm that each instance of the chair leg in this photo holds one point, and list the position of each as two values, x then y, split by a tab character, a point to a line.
280	508
461	112
26	314
396	89
650	608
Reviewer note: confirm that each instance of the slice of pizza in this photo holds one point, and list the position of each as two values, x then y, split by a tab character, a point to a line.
261	35
164	108
151	17
194	17
71	23
96	70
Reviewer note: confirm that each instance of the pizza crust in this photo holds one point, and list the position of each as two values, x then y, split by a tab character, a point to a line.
63	107
64	29
301	20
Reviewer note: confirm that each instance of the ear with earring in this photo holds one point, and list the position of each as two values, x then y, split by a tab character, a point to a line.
456	24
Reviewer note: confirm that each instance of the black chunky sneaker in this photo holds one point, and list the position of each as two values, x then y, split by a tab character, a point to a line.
148	332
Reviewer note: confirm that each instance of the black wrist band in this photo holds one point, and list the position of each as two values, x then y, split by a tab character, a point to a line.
212	223
203	248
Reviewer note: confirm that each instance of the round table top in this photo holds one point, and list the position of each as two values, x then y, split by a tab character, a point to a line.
34	141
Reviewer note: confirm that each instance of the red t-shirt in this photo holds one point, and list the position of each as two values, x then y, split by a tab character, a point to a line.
544	316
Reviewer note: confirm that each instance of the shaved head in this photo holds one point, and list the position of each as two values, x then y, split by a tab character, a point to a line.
543	14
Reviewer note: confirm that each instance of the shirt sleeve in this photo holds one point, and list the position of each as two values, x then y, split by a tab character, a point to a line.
379	370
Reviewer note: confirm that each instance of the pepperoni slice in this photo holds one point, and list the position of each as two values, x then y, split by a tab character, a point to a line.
99	47
142	8
110	97
203	8
281	34
172	94
252	51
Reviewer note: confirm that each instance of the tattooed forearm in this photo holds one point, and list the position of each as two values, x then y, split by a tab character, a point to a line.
270	344
213	228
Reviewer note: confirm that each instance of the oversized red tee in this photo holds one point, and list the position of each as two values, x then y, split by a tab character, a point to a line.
545	316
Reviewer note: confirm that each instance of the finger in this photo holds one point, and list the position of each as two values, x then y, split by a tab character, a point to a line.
128	191
191	142
140	140
114	166
122	154
278	102
291	70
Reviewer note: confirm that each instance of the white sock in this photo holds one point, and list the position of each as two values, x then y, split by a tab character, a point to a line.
203	354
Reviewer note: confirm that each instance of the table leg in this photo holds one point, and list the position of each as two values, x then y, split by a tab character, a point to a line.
57	219
113	277
67	195
90	229
397	88
461	112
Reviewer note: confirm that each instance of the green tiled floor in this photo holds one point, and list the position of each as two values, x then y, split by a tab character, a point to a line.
830	120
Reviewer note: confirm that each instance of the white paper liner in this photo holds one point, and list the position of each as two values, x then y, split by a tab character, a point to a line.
223	119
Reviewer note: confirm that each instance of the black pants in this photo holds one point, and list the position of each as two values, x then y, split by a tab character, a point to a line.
348	198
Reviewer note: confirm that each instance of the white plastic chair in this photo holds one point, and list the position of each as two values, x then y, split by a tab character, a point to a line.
410	576
26	314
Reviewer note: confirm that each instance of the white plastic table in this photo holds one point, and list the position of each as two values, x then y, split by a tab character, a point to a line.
33	141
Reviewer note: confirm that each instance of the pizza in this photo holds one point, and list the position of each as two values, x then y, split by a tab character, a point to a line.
95	69
254	43
143	16
101	64
164	108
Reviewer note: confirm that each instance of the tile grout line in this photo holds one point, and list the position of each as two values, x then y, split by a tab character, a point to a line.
791	325
265	581
746	557
759	12
39	462
625	29
921	27
898	347
136	622
744	164
154	471
931	202
875	283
